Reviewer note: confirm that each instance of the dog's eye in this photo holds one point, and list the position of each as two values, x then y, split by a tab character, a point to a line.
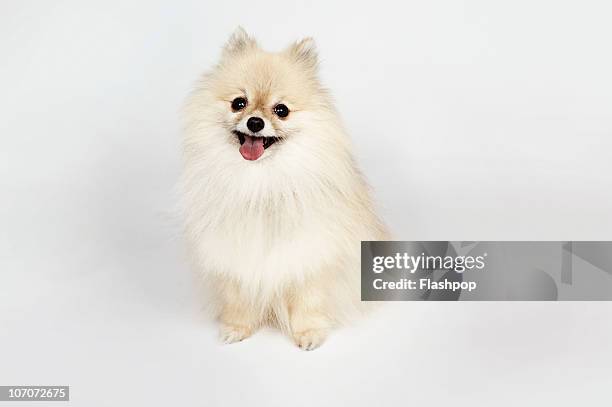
281	110
239	104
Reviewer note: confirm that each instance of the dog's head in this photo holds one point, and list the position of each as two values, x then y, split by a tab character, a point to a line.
260	99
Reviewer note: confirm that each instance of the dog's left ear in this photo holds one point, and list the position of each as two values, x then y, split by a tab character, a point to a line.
305	52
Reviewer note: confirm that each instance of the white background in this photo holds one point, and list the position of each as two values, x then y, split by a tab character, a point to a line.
473	120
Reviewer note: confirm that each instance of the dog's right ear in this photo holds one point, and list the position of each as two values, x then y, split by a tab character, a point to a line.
238	42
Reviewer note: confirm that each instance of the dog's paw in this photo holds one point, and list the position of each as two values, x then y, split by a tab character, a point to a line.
233	333
310	339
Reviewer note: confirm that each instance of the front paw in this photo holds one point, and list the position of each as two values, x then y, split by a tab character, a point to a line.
310	339
234	333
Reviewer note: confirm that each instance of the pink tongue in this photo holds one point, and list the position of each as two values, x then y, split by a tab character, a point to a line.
252	148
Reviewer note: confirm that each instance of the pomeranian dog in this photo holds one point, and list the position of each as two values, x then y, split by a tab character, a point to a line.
275	206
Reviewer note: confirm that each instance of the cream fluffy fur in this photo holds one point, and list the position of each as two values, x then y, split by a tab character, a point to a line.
277	239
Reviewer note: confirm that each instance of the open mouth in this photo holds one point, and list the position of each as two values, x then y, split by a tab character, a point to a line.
252	147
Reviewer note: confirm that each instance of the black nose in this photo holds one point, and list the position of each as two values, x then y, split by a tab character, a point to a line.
255	124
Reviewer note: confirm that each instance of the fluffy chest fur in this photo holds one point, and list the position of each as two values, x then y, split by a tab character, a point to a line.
274	223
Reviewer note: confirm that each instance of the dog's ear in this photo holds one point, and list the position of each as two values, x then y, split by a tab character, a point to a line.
305	52
238	42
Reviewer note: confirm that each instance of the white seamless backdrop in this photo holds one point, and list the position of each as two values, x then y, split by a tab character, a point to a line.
472	120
